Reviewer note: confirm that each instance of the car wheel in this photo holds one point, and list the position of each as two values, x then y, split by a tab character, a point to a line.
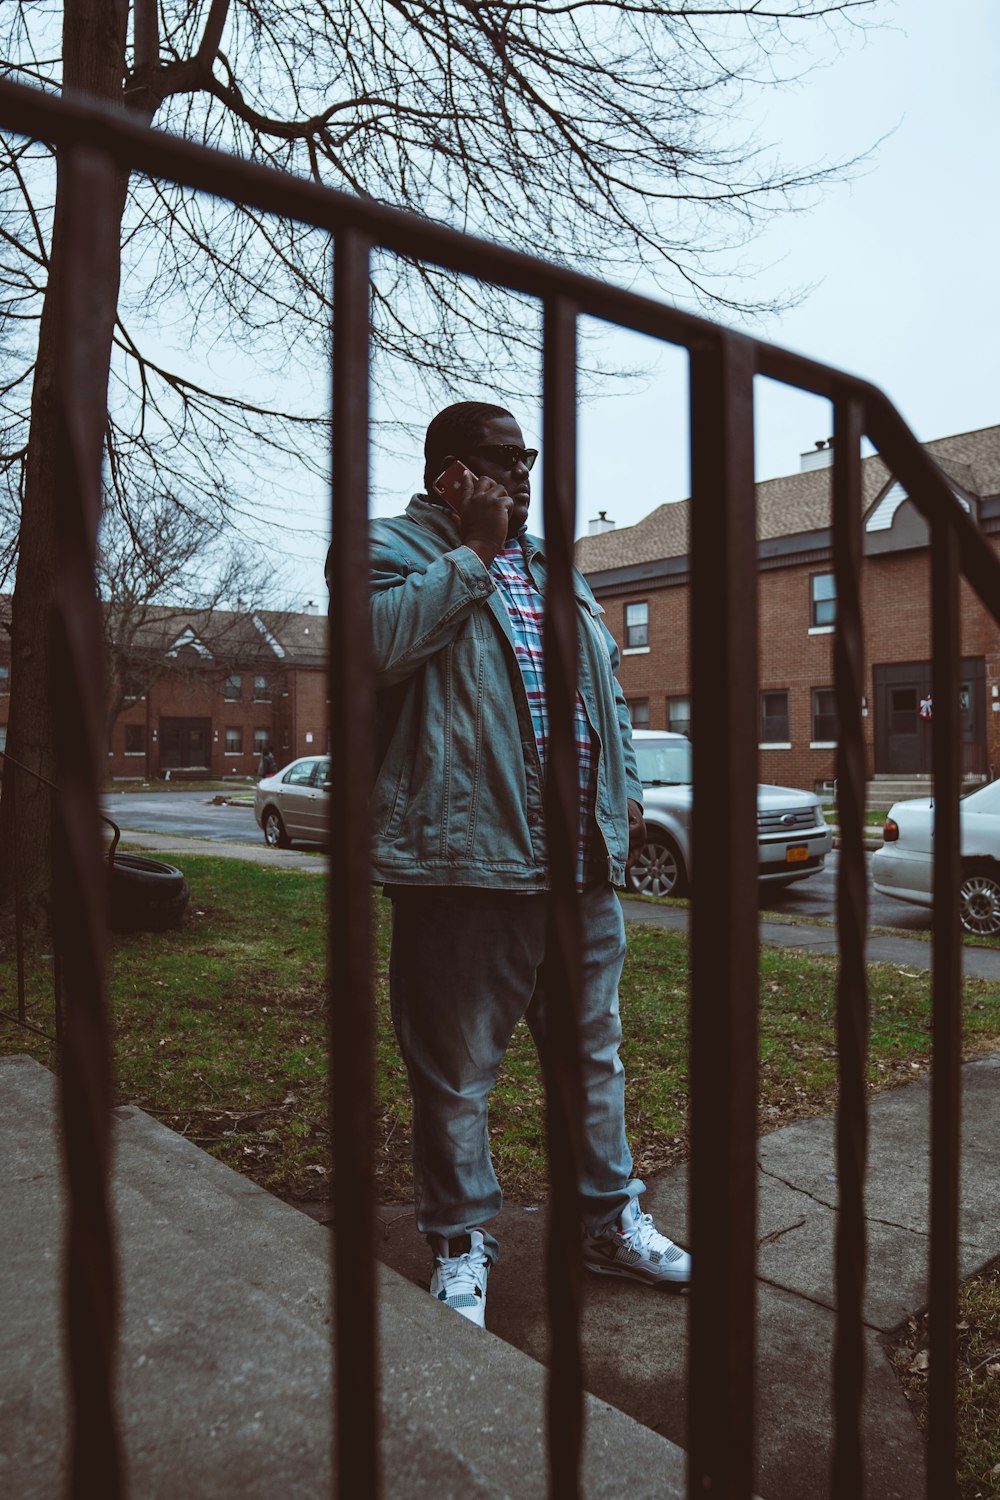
979	899
274	830
659	870
145	895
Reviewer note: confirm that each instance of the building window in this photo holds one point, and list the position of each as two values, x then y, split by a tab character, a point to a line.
260	739
638	709
636	625
824	716
234	741
3	736
679	715
133	686
822	599
261	690
4	678
234	688
774	718
135	739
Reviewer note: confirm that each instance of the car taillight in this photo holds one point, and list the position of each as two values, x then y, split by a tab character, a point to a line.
890	831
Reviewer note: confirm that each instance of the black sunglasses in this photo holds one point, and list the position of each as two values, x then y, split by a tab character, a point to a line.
507	455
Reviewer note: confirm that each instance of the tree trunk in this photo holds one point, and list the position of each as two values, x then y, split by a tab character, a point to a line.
94	33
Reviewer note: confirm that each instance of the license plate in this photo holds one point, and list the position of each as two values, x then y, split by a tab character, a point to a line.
796	853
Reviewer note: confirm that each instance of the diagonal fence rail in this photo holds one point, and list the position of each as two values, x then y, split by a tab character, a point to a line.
94	144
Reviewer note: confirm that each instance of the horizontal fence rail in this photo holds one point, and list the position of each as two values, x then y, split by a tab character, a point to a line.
93	140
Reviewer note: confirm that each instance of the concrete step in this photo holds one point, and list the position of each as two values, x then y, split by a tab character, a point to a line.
225	1381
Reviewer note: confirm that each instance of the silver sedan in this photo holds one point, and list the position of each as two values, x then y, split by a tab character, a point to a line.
294	803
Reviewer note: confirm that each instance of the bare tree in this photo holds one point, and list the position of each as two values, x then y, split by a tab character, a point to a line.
602	134
169	570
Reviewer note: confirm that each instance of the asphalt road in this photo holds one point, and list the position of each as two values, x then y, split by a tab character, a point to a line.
192	815
196	815
815	899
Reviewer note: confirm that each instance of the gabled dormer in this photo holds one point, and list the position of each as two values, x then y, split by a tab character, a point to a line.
893	523
186	643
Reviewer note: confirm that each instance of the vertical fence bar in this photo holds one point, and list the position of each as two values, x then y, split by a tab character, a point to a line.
14	773
351	998
947	1017
90	188
562	959
852	983
724	985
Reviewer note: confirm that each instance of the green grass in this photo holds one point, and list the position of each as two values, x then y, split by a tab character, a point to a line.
874	816
220	1031
977	1396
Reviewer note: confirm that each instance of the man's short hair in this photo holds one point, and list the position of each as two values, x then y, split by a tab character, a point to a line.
455	430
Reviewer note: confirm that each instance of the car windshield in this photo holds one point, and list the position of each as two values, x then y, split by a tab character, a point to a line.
664	762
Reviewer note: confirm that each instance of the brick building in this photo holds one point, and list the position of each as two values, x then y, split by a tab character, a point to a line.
199	695
641	576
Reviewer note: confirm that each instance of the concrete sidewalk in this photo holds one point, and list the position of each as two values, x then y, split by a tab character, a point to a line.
812	937
635	1340
224	1385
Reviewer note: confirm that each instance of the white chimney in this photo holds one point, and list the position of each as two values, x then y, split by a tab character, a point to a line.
600	524
309	608
819	457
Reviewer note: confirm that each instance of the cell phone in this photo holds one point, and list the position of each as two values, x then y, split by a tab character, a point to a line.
450	484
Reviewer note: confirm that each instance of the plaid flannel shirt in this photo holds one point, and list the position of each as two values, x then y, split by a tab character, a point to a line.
525	606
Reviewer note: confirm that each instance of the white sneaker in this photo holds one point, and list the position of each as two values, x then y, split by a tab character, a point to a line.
459	1281
637	1251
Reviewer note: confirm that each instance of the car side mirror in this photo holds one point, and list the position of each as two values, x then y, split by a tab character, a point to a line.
327	786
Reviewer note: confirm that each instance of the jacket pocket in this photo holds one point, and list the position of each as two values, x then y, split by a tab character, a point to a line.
394	799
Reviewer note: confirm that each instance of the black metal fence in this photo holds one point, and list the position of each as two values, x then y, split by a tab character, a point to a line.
92	145
13	771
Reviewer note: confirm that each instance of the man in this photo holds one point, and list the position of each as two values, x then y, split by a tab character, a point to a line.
460	847
267	765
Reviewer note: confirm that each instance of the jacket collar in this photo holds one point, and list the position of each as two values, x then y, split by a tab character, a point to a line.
437	518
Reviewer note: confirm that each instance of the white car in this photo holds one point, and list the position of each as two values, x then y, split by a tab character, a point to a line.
904	866
793	837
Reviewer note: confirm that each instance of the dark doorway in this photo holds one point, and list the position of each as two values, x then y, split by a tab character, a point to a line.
903	735
185	743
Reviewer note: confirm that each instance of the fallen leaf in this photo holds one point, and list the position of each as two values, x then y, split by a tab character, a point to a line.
993	1369
919	1362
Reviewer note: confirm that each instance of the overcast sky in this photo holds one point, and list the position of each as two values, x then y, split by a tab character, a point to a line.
902	260
902	263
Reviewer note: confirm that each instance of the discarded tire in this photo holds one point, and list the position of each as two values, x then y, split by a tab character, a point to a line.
145	895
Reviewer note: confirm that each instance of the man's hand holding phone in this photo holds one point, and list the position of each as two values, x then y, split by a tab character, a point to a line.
482	509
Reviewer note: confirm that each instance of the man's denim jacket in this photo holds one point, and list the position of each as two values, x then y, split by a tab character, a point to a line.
458	789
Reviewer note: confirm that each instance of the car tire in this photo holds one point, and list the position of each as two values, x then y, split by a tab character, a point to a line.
275	836
145	895
659	870
979	898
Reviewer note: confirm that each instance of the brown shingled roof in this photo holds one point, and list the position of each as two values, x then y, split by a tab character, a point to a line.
790	504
